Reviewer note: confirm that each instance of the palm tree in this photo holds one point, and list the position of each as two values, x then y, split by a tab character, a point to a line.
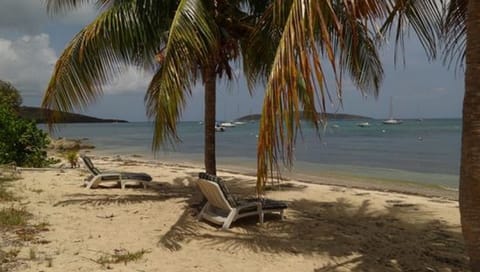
183	40
462	34
286	92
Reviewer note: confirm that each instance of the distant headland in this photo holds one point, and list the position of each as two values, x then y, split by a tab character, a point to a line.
330	116
39	115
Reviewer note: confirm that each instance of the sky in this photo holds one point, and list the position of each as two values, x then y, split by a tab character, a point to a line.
31	41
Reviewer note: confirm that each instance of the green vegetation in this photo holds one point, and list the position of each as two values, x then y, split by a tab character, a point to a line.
9	95
21	142
121	257
13	217
72	157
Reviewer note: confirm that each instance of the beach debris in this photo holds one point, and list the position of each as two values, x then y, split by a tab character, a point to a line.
63	144
106	216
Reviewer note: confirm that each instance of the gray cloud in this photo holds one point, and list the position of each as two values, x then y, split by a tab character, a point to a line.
27	62
30	16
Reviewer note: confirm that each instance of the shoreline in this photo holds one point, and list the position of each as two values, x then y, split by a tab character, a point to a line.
332	178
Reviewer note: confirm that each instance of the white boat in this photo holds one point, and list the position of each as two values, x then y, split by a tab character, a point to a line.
238	123
219	129
363	124
227	124
391	120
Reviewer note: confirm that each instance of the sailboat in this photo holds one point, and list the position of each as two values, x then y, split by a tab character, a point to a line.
391	120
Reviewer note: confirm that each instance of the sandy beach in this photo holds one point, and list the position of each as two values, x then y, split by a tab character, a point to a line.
332	224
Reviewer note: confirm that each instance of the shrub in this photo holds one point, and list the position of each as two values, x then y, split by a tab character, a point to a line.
21	141
72	157
9	95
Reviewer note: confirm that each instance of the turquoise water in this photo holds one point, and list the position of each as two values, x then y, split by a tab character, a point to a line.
423	152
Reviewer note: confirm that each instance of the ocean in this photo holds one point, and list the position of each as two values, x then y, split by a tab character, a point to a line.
420	151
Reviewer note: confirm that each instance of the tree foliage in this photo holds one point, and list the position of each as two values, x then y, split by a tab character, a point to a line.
21	141
9	95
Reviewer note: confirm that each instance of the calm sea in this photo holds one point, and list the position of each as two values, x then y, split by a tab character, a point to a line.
426	151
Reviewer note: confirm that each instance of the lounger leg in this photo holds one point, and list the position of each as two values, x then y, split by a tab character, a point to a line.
261	216
231	216
122	183
94	182
205	207
281	215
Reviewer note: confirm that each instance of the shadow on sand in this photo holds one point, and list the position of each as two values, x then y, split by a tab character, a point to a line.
352	237
182	188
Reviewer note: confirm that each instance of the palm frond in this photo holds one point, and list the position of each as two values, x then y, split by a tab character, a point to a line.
335	32
191	40
423	16
258	51
99	53
455	32
62	6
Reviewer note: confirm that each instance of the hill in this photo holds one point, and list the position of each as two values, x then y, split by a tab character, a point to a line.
39	115
329	116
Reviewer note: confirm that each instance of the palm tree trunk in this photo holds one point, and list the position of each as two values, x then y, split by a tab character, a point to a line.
470	162
210	118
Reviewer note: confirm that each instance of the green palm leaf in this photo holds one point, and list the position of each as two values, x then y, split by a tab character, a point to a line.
329	35
118	37
314	32
191	42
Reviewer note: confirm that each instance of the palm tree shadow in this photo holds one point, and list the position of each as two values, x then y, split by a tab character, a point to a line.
354	237
181	188
187	226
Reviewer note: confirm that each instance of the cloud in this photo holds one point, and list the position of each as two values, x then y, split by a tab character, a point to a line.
27	62
132	80
30	16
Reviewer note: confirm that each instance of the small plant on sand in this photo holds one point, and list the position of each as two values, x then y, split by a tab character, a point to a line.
13	217
6	195
72	158
121	256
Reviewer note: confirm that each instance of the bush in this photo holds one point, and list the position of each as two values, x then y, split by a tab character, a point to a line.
9	95
21	141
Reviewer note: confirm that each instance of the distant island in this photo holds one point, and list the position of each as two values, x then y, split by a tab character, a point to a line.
330	116
39	116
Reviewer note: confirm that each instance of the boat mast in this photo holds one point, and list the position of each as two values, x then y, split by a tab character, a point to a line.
391	107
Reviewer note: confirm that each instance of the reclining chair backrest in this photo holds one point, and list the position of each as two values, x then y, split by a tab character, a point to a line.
213	194
90	165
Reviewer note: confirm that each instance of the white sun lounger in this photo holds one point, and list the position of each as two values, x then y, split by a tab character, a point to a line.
98	177
223	209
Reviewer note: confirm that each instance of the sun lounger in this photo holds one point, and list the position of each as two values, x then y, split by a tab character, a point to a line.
98	177
223	209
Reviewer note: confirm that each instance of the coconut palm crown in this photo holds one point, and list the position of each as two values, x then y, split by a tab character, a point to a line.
182	41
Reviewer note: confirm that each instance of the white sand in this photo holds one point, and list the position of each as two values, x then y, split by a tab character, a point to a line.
327	228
